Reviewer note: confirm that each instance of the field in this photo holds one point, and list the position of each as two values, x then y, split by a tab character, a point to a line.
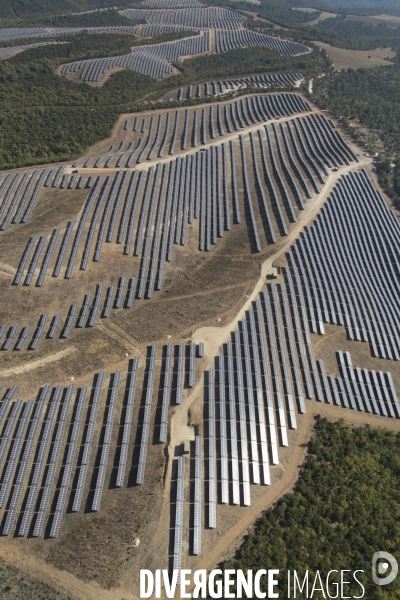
324	15
357	59
388	20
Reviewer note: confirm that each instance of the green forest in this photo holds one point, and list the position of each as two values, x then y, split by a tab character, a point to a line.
370	95
344	508
371	98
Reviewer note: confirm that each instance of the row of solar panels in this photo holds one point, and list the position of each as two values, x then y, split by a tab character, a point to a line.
202	174
198	458
172	4
180	484
19	33
240	38
7	52
33	437
150	30
184	174
253	382
220	87
21	190
211	16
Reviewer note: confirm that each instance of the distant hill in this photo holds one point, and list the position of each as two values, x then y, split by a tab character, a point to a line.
23	8
374	6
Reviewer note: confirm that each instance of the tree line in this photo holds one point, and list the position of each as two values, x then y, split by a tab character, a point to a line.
343	509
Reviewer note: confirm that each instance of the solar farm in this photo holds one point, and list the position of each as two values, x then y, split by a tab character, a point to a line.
178	303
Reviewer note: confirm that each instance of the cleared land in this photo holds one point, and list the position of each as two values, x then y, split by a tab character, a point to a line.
389	20
357	59
324	14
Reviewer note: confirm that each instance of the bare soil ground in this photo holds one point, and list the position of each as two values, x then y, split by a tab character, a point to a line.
357	59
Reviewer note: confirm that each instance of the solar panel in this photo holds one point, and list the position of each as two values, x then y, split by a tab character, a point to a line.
197	496
181	373
147	413
6	401
128	423
15	451
179	513
166	394
88	442
12	420
55	527
106	442
250	404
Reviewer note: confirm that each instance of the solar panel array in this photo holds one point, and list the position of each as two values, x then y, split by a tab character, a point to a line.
40	460
268	367
172	4
191	130
241	38
31	449
216	88
19	191
337	259
212	16
68	466
105	451
19	33
127	423
147	415
152	60
212	458
197	494
360	389
15	451
53	463
23	467
208	187
166	394
87	447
